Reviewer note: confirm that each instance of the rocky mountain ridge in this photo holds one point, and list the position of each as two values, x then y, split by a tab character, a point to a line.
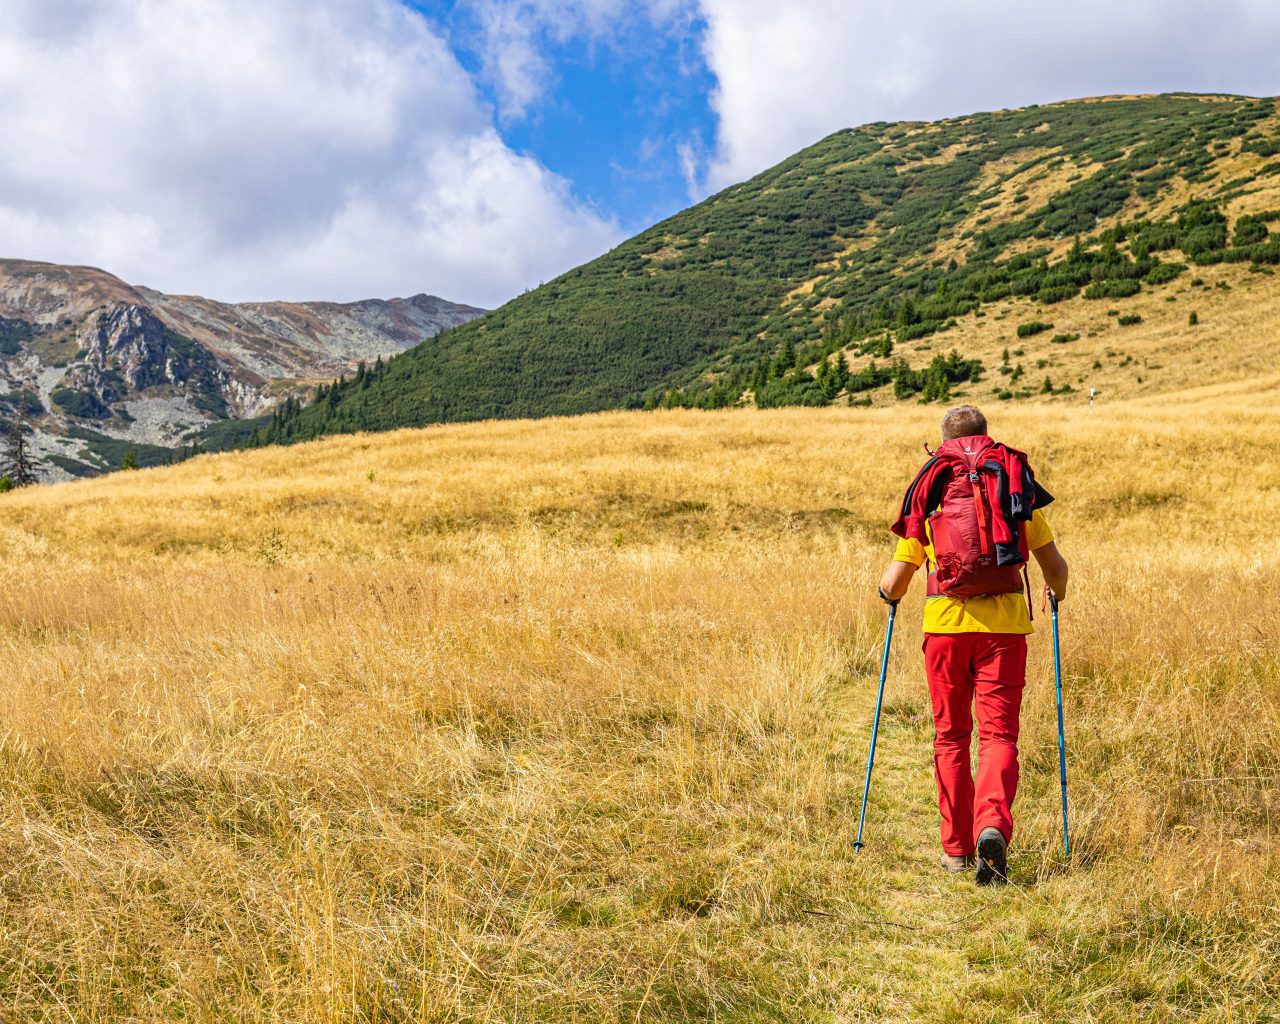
95	365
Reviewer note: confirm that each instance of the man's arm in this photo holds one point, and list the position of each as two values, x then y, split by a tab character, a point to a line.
896	580
1054	568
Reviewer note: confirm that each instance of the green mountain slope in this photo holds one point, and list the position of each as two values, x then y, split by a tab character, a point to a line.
875	236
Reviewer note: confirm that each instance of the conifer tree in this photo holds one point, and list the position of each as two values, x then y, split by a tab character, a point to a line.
841	368
17	461
786	358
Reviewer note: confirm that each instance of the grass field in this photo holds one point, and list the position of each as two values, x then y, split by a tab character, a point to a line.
566	720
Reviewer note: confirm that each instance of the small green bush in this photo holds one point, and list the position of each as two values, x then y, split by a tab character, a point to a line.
1118	288
1249	231
1162	273
1057	293
1063	339
1129	319
1033	327
84	404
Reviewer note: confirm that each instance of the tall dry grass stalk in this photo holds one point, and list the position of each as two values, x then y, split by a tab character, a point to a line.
566	720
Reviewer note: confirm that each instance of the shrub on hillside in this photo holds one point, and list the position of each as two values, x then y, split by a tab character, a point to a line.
1057	293
1129	319
1163	273
1201	228
84	404
1120	288
933	382
1262	146
13	335
1033	327
1249	231
921	330
881	346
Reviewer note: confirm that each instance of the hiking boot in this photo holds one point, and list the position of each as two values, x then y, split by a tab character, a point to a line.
991	857
957	865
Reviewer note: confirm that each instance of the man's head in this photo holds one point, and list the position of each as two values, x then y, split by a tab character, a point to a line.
963	421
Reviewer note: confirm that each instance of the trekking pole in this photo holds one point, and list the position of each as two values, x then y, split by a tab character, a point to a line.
875	726
1062	740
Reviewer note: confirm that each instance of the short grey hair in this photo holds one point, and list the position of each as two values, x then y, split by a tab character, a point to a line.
963	421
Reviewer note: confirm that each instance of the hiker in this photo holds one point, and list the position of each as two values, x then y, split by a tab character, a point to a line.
973	513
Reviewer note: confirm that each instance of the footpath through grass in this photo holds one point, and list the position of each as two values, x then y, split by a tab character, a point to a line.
910	942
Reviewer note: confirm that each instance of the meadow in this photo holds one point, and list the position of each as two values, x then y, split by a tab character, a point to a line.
566	720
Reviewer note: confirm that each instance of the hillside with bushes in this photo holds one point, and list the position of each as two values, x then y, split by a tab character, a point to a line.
889	262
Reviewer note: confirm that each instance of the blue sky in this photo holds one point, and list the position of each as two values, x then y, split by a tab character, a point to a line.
616	114
347	149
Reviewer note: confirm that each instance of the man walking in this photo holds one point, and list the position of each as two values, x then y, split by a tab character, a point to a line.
973	513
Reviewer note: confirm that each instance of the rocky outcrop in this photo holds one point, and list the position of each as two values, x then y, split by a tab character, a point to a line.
128	349
127	341
83	353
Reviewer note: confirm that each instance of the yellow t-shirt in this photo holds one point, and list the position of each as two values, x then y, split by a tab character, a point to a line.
998	613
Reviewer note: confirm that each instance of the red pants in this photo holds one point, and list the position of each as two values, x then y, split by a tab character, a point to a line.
993	668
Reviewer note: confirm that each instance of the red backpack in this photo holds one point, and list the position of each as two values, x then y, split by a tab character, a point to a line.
977	496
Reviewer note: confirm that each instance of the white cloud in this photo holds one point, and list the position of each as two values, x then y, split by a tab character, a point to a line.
283	150
514	34
789	74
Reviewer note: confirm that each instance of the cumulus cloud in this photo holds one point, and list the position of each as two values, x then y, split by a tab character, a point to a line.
282	150
789	74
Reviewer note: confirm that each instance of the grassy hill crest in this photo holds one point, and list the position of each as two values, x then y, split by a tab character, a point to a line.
890	245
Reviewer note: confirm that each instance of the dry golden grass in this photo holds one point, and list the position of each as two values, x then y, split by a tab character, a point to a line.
1235	340
566	720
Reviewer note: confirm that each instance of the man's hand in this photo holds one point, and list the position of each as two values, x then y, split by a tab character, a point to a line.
1054	568
895	581
885	597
